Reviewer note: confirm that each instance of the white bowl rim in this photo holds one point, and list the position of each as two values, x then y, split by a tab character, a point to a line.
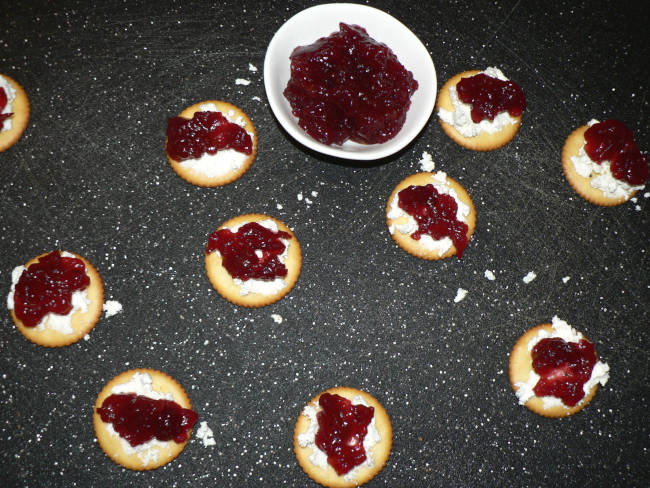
424	72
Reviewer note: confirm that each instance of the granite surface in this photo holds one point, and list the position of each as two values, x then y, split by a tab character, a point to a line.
89	175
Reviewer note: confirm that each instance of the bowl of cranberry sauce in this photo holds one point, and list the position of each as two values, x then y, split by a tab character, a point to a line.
305	31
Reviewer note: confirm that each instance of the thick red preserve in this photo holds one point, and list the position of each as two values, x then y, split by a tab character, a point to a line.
139	419
435	214
349	86
240	251
3	104
490	96
612	141
342	427
47	286
563	367
205	132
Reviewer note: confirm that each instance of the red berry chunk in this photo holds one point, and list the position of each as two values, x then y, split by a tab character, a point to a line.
490	96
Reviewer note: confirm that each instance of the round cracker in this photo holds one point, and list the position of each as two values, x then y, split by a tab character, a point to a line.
111	443
21	109
82	322
579	183
521	364
484	141
224	283
200	179
416	248
380	451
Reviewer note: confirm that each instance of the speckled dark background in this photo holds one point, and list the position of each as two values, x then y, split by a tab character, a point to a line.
90	175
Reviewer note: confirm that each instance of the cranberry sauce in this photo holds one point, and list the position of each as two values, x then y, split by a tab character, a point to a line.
47	286
341	430
3	104
563	367
139	419
489	96
435	214
240	251
205	132
611	140
349	86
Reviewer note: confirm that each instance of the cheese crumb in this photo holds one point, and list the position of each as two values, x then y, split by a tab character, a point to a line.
112	307
460	295
489	275
242	81
276	318
529	277
252	67
566	279
426	163
205	434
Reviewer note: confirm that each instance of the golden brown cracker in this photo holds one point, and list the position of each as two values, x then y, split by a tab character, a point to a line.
199	179
82	322
521	364
405	241
224	283
484	141
111	443
21	109
380	452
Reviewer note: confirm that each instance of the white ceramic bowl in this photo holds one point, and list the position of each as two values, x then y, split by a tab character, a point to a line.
313	23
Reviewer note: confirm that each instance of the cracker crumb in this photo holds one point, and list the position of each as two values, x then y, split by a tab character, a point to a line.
489	275
242	81
460	295
529	277
276	318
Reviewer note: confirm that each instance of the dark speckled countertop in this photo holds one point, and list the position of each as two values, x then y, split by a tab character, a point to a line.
90	175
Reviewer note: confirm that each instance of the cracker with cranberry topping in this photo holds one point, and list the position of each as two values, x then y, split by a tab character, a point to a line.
482	140
52	329
261	260
377	442
154	453
211	143
524	377
433	224
14	112
596	182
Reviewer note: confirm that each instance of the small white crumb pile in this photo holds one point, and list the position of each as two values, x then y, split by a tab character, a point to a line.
111	307
460	295
205	434
426	163
489	275
529	277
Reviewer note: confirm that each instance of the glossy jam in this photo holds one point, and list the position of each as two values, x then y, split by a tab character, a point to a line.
238	251
612	141
3	104
205	132
490	96
435	214
47	286
349	86
342	427
139	419
563	367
